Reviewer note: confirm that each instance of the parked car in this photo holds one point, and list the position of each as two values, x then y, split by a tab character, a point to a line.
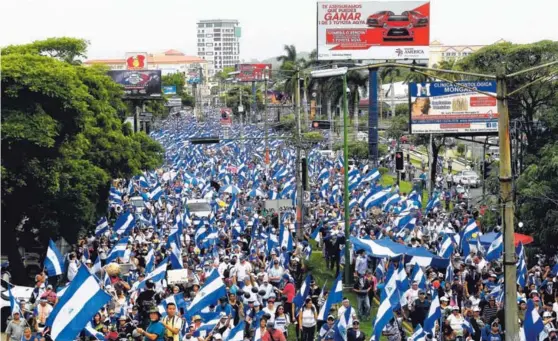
379	18
21	293
467	177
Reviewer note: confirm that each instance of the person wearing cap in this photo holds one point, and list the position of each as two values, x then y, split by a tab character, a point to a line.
354	333
172	323
50	295
272	333
14	330
124	328
224	306
276	273
155	330
419	309
477	323
225	323
327	328
270	308
456	321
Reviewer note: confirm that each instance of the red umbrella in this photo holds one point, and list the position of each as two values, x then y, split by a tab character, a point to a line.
523	238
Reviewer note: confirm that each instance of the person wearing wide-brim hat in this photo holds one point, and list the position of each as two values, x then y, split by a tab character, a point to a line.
155	330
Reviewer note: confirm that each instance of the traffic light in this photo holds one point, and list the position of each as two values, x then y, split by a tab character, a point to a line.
487	167
399	161
304	174
205	140
326	125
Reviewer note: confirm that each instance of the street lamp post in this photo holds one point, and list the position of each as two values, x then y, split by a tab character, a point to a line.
333	73
266	77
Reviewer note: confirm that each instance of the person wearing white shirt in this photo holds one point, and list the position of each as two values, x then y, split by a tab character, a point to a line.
346	305
412	294
72	267
456	321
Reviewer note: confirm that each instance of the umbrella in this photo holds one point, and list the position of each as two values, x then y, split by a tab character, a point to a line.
231	189
488	238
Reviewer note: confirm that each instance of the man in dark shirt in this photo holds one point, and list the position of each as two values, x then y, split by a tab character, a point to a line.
420	310
354	333
361	288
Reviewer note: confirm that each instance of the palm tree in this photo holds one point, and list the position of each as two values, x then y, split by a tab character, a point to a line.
290	62
390	73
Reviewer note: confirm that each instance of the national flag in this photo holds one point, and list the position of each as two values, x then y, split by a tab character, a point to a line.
447	247
468	327
419	277
449	274
389	299
118	251
156	275
54	261
102	226
302	294
371	176
236	334
149	260
176	256
434	314
533	324
92	332
81	301
419	334
376	199
335	296
96	268
14	304
344	322
495	250
212	290
124	223
521	266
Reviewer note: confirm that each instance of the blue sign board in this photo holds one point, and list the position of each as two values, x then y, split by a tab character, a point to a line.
169	89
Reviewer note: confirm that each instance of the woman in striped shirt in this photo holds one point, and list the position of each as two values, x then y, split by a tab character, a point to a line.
281	320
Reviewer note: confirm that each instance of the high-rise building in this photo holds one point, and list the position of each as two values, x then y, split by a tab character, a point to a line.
218	43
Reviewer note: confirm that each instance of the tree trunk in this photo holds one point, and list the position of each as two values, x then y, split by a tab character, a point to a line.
392	97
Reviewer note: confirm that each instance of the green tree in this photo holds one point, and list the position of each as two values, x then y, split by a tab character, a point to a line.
62	143
313	136
398	127
358	150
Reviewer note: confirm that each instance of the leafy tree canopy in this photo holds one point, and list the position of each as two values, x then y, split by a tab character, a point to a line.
62	141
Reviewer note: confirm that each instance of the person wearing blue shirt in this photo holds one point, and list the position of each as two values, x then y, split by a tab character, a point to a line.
155	330
224	306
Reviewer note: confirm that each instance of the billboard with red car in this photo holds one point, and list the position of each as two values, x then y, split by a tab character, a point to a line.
253	72
375	30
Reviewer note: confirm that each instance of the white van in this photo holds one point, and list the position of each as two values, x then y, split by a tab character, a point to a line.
199	207
327	153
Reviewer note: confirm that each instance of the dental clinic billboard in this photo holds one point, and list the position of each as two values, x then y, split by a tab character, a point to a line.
446	108
375	30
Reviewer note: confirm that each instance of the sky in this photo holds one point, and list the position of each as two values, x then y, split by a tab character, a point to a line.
115	27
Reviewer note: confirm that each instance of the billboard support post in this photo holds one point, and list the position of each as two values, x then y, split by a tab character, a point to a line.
254	98
300	190
348	279
506	195
373	115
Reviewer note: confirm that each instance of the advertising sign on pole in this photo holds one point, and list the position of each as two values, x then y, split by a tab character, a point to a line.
174	102
373	30
136	61
138	84
446	108
169	89
253	72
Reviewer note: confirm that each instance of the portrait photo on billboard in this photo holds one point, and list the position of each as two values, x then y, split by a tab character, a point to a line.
138	84
373	30
447	108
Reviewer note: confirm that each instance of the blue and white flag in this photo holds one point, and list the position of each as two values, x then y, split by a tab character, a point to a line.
156	275
118	251
393	200
419	334
468	327
432	203
92	332
521	266
54	261
344	322
447	247
212	290
302	294
102	226
434	314
371	176
81	301
389	299
533	324
156	193
376	199
96	268
449	274
495	250
124	223
419	277
14	304
236	334
176	256
149	260
335	296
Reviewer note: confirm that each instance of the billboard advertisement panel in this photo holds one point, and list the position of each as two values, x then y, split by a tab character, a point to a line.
373	30
138	84
253	72
169	89
446	108
136	60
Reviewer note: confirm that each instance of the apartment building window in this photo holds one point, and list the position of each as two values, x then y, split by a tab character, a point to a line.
216	30
209	44
209	35
209	53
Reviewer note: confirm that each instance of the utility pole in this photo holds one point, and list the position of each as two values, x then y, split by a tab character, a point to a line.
266	77
346	199
506	196
300	190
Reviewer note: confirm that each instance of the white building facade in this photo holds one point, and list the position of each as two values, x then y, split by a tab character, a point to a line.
219	43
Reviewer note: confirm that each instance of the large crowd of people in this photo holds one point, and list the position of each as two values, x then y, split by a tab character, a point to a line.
263	259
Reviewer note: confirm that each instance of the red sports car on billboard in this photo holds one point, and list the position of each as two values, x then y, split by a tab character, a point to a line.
416	18
398	28
379	18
